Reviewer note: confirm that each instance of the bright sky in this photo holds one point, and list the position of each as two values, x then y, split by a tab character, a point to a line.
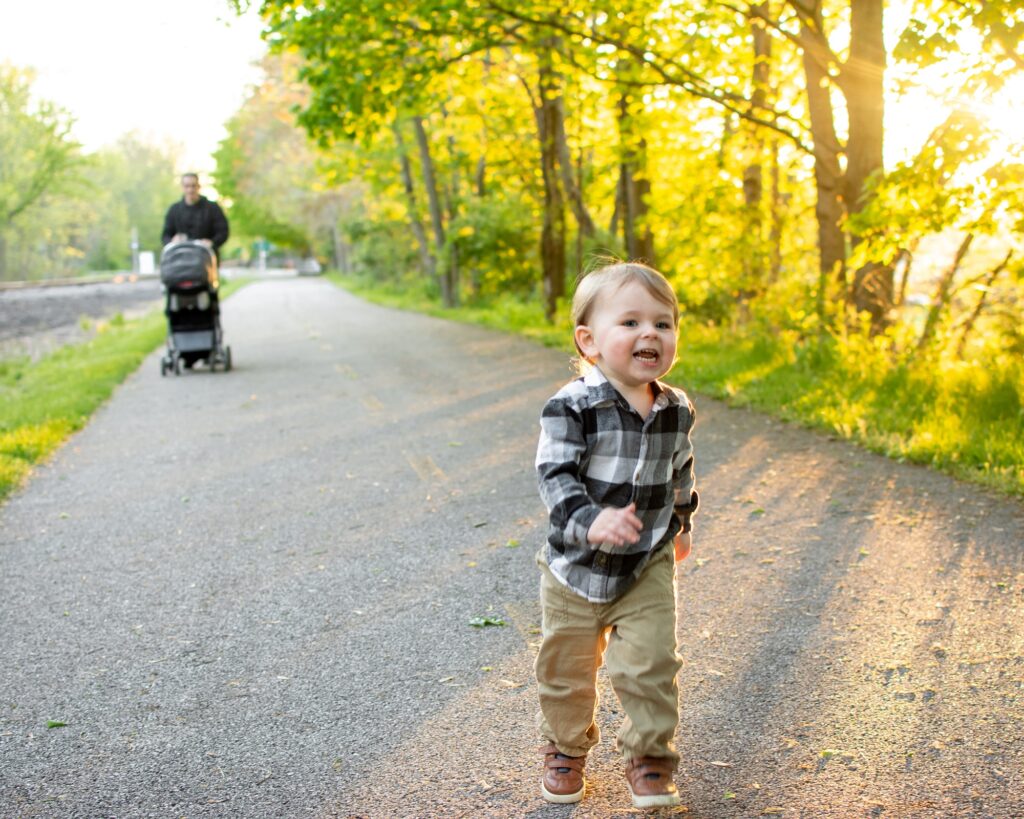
173	70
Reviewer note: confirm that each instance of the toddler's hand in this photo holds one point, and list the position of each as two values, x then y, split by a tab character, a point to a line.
684	541
615	526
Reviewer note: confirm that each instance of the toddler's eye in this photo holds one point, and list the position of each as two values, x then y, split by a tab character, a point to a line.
629	323
664	325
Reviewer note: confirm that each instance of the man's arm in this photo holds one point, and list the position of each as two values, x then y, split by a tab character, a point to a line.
220	226
168	232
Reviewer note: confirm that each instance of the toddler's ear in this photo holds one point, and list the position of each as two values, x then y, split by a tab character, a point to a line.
585	341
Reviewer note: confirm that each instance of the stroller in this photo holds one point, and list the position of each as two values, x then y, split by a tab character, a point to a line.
188	273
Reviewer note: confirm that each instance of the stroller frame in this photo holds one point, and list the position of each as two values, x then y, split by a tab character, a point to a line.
188	273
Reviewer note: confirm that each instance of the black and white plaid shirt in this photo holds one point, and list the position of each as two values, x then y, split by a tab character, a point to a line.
596	451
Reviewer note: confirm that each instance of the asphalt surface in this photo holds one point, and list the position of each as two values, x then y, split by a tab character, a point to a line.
249	595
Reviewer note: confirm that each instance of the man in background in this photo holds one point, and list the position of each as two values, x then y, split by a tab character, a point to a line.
195	217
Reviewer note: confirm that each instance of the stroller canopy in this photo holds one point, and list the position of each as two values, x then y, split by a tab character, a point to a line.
188	264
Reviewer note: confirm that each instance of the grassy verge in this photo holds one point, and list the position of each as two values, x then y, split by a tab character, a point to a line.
965	420
43	402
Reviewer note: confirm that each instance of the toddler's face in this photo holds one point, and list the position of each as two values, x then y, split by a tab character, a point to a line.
630	335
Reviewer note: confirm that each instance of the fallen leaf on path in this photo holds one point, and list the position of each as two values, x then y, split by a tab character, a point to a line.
719	764
480	622
56	723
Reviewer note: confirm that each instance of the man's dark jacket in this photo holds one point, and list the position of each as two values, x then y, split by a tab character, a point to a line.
203	220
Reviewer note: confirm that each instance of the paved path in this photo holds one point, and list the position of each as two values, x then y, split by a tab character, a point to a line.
249	595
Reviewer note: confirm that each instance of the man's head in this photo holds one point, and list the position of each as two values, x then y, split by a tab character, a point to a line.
190	188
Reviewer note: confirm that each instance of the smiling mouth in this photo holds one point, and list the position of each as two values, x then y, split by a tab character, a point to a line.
648	356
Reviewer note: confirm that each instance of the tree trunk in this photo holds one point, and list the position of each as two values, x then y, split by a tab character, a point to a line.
775	232
552	241
454	196
828	208
972	319
753	174
862	82
620	198
636	187
341	258
572	186
436	216
426	257
480	178
903	262
941	300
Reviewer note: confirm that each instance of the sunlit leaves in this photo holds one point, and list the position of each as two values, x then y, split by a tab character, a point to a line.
37	153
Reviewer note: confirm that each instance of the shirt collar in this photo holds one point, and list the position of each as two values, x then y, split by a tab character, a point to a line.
600	390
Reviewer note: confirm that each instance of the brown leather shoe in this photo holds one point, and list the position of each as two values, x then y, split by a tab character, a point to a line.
563	780
650	782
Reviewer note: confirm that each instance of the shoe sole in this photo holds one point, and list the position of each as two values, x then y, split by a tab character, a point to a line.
659	800
562	798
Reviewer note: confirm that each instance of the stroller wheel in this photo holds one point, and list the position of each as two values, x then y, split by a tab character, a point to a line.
227	358
163	367
177	365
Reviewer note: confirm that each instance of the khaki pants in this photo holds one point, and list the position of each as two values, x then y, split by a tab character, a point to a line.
636	637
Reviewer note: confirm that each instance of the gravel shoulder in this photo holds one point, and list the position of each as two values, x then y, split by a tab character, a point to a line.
249	594
37	320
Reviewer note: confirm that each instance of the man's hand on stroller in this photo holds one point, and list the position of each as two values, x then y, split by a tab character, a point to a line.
206	242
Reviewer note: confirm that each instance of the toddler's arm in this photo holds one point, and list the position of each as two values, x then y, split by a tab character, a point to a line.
560	452
684	541
686	499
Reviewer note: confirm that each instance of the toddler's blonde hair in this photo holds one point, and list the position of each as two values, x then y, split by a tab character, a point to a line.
611	277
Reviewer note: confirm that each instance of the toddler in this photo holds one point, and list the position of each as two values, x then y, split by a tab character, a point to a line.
615	466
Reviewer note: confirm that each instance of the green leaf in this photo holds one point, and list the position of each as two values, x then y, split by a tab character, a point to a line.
53	723
480	622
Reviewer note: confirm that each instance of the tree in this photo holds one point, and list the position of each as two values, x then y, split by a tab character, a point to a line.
269	172
131	184
37	154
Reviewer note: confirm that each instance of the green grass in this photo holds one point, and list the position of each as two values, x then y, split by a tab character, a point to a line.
966	420
509	314
43	402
